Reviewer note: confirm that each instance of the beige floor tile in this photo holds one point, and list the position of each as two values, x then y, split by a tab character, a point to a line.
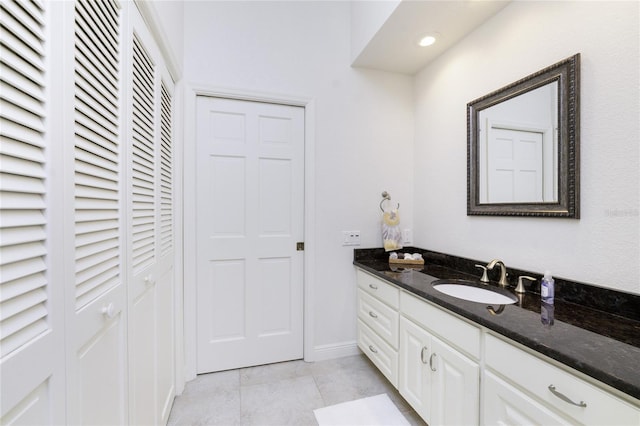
286	402
219	408
274	372
281	394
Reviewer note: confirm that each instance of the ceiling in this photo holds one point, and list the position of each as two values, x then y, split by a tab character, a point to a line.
394	47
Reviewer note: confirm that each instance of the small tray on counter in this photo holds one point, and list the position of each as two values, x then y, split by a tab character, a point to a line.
407	261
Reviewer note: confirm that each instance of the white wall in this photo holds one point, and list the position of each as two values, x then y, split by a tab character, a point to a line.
603	247
363	125
367	17
167	19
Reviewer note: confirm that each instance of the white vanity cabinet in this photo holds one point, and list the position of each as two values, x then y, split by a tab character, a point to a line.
520	387
378	318
436	379
453	371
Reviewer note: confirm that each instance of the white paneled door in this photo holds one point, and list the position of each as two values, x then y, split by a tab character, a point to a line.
515	170
250	211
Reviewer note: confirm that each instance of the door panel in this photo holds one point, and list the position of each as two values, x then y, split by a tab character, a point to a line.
96	321
31	323
100	388
515	166
150	240
250	216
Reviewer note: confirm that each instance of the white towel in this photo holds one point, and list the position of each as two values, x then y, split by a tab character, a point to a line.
391	233
373	411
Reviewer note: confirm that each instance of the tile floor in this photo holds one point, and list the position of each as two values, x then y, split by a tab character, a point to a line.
281	394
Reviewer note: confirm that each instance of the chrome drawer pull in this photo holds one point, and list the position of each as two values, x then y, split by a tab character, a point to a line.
423	354
431	361
373	286
372	349
373	314
563	397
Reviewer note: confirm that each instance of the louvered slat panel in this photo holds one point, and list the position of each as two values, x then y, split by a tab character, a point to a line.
16	149
95	49
143	159
166	173
97	155
13	183
17	92
23	285
23	279
97	149
18	166
13	132
21	235
18	329
16	219
14	306
25	250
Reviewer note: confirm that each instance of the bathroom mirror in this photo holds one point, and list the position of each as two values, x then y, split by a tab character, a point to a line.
523	146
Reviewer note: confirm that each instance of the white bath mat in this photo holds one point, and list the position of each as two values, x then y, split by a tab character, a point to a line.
373	411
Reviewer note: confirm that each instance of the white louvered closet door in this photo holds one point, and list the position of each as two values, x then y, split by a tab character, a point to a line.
96	292
150	239
32	390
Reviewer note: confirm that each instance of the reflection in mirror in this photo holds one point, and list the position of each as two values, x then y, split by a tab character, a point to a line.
523	146
517	148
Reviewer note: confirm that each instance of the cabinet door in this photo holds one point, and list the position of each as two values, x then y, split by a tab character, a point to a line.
503	404
414	380
455	386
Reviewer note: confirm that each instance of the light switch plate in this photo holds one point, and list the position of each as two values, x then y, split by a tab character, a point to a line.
351	238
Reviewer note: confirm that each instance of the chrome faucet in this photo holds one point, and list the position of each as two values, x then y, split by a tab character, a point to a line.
503	270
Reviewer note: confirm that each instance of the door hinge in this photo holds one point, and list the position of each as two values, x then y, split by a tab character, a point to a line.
300	246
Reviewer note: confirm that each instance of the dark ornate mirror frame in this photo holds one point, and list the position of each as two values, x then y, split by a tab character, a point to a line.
567	74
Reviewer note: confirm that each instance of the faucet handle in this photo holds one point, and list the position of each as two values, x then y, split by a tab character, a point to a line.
520	287
484	278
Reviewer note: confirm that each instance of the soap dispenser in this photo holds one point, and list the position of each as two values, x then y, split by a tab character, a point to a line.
547	288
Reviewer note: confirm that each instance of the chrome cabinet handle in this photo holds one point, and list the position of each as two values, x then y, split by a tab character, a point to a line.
373	286
431	361
565	398
373	314
423	354
372	349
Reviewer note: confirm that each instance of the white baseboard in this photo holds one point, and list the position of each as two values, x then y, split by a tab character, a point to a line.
334	350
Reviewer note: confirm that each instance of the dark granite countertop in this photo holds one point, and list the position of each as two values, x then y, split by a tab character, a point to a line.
599	344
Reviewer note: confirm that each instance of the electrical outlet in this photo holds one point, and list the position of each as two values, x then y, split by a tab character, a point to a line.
351	238
407	236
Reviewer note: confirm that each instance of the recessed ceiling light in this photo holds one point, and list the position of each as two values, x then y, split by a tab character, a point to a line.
426	41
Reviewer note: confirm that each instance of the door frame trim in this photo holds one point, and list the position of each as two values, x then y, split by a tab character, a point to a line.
191	92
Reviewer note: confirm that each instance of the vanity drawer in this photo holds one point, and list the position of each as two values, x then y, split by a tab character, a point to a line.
379	317
558	388
457	332
379	352
378	288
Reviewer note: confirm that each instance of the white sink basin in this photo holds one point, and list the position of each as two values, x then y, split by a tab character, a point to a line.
473	292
